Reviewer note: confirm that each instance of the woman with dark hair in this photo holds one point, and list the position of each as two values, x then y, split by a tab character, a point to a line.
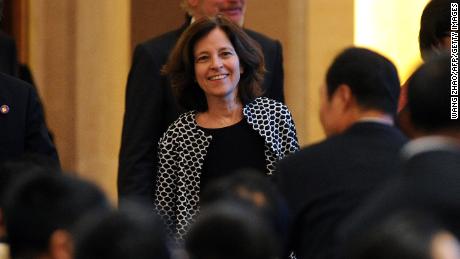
216	71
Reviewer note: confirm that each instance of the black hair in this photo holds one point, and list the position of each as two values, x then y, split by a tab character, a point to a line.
252	188
227	231
372	78
131	232
39	204
434	25
15	168
402	235
429	95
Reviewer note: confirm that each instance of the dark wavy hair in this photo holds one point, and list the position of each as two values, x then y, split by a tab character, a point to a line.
180	67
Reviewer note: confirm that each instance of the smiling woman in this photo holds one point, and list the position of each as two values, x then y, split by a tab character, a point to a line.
216	71
217	67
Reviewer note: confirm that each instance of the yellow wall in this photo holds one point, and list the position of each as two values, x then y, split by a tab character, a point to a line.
391	27
80	55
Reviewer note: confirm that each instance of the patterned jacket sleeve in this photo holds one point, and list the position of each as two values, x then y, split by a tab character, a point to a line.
289	142
167	179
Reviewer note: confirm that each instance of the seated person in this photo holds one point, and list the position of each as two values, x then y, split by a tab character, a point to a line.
40	210
251	188
228	231
130	232
406	234
10	171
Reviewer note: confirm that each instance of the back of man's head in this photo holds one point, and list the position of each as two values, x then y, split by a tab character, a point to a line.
131	232
40	204
372	79
227	231
13	169
405	234
429	96
251	188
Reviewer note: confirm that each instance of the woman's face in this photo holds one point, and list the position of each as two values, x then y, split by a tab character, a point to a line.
217	67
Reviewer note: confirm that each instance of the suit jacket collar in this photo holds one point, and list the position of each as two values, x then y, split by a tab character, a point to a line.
361	127
429	144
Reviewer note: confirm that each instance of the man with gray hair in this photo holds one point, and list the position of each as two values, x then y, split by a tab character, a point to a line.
150	104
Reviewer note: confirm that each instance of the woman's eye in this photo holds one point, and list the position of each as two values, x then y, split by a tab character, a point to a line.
226	54
201	59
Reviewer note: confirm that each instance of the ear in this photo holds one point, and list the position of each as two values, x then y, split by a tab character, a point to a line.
344	97
61	245
241	69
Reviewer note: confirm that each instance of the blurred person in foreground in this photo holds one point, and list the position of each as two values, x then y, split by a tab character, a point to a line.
40	211
250	188
130	232
406	235
226	230
10	171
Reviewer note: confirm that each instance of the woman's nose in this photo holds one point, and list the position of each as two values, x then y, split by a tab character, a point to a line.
216	63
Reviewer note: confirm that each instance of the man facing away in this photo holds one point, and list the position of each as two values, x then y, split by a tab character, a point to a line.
430	180
324	182
151	106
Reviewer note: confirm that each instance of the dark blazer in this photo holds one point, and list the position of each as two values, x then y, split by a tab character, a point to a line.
151	107
22	128
429	183
8	58
323	183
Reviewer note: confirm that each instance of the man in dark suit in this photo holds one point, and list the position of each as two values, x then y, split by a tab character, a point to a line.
23	129
430	182
8	60
324	182
151	106
8	56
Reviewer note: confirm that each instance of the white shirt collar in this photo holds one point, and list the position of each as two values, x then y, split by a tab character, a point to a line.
430	143
383	120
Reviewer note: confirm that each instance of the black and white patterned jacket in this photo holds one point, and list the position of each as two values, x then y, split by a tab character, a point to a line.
182	150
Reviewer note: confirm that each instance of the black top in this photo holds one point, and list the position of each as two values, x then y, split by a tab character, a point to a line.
151	108
234	147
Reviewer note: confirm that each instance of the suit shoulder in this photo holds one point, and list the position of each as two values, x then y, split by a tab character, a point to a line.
13	84
259	36
164	41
